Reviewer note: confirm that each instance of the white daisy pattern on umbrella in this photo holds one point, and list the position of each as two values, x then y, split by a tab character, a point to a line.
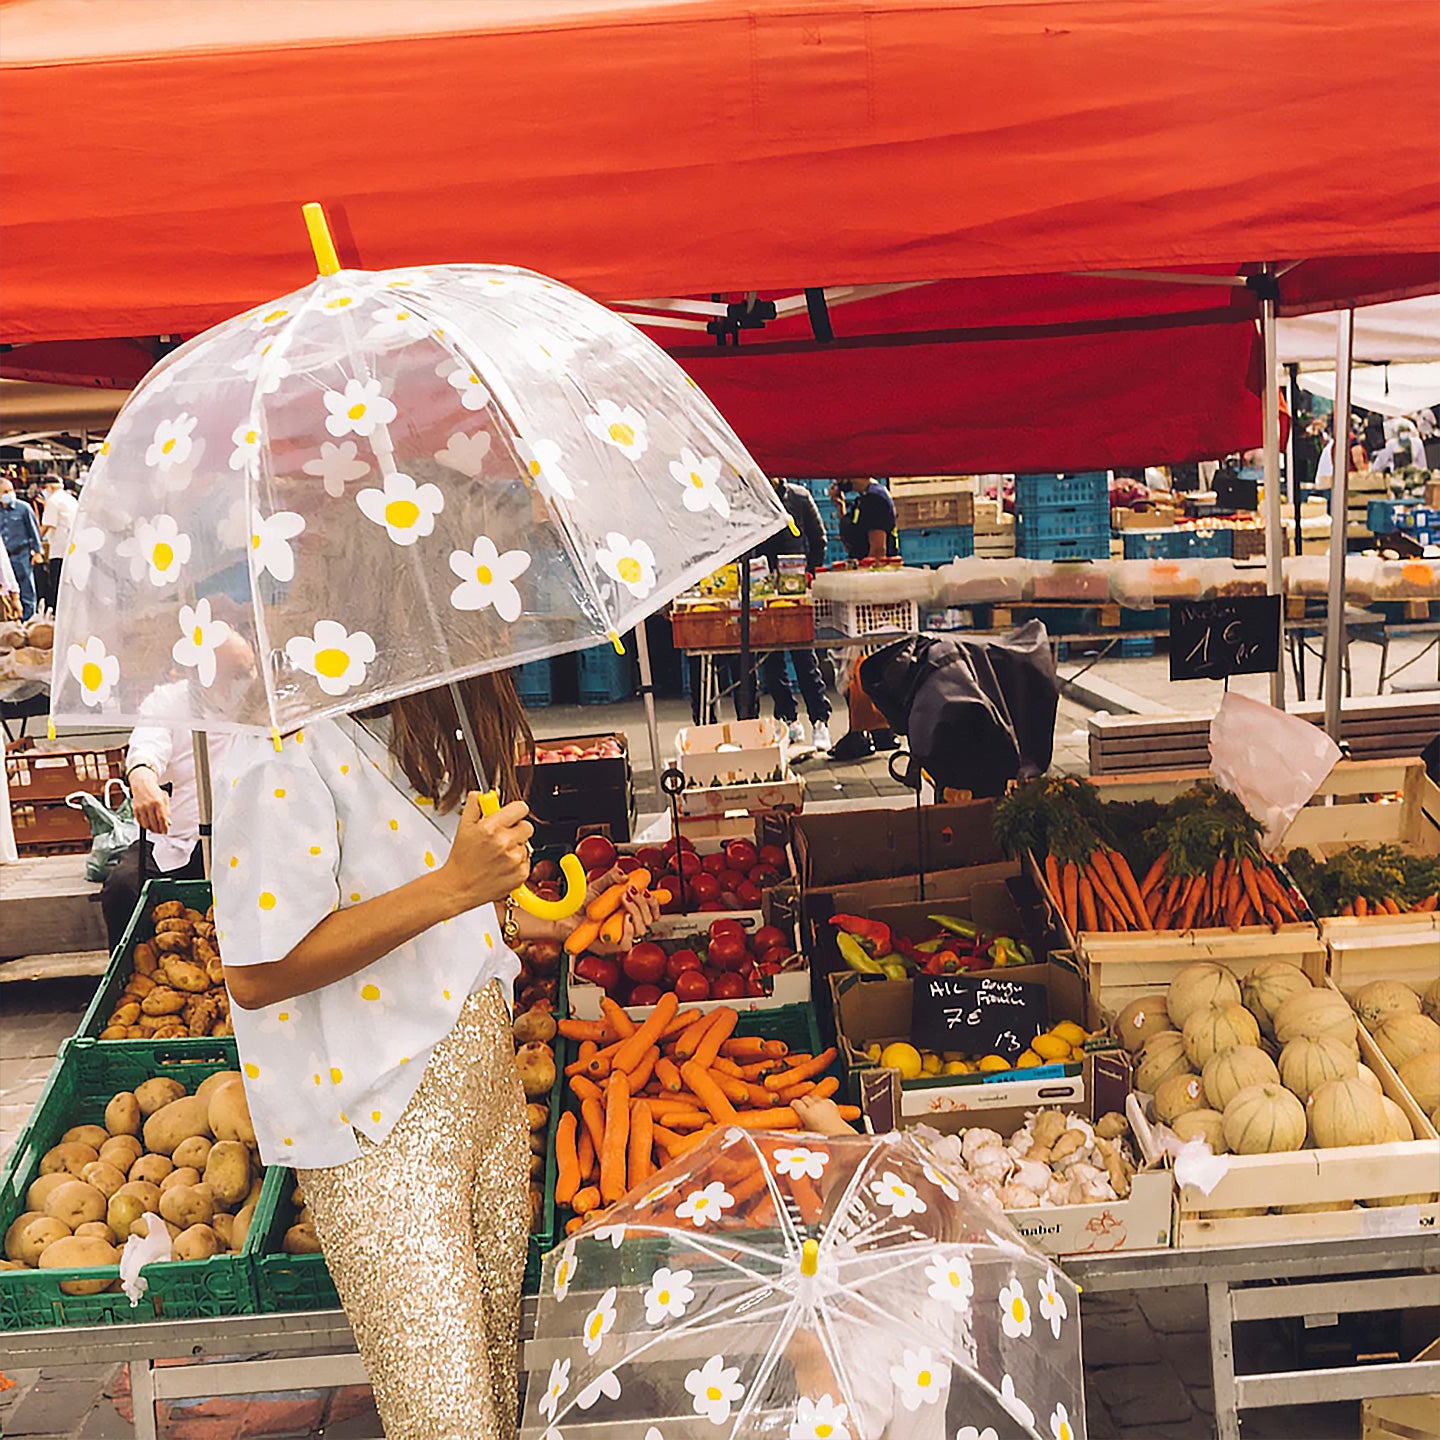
920	1377
405	509
1052	1303
246	440
1060	1426
897	1195
172	443
157	548
951	1281
465	453
541	459
622	426
334	656
700	1207
631	562
397	325
336	465
357	409
200	636
85	543
264	367
615	1234
822	1419
598	1322
700	475
668	1295
942	1183
471	389
270	537
1015	1311
334	304
1014	1405
714	1387
606	1383
969	1432
565	1268
555	1387
488	577
659	1192
95	668
798	1162
491	283
548	353
272	316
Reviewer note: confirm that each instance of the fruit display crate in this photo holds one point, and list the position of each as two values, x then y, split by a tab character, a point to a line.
867	617
34	774
535	684
82	1083
1093	546
785	623
934	505
48	827
1063	522
193	893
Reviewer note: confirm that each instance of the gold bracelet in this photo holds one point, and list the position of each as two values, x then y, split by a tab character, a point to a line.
509	925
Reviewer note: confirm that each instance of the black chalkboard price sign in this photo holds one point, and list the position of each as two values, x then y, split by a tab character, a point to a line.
977	1014
1234	635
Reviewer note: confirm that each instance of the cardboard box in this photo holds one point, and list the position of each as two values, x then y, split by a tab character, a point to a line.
732	753
843	846
581	796
787	794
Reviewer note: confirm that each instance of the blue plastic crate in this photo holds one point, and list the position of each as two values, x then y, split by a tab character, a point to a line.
1062	522
1156	544
1383	516
1211	544
1035	546
1133	646
603	676
835	552
1044	492
937	547
535	685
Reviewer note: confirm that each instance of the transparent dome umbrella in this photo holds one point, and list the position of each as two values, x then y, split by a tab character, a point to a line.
800	1287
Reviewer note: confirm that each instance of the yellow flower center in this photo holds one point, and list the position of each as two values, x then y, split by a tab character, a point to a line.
267	902
71	550
275	315
284	1016
253	1071
402	314
663	1297
336	1076
162	557
823	1431
402	514
251	436
534	468
331	663
923	1378
197	636
1017	1308
91	675
713	1393
375	1116
338	303
1065	1431
628	569
168	446
430	863
698	481
370	992
484	574
254	542
234	861
472	379
955	1279
356	411
622	434
595	1323
316	1077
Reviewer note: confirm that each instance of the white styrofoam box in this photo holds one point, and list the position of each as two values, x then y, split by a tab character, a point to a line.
733	752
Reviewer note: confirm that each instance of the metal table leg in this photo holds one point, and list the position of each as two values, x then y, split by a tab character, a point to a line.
142	1398
1222	1360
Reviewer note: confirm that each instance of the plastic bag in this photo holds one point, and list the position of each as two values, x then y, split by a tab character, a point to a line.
150	1249
974	579
113	831
1273	762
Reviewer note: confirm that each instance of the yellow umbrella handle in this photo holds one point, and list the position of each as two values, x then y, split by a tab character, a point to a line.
570	867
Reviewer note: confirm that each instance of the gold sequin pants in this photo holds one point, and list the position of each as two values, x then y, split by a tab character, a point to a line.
425	1238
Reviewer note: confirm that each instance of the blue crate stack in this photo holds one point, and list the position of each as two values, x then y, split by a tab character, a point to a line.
1063	517
535	684
1156	544
603	676
938	546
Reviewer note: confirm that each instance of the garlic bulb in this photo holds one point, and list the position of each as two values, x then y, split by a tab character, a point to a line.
991	1157
1032	1174
977	1139
1019	1197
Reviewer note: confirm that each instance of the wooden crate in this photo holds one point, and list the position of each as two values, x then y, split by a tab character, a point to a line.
1375	802
1383	947
1403	1417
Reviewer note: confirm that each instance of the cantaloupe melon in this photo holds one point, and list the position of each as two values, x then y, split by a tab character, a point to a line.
1229	1071
1420	1075
1430	1001
1347	1112
1216	1028
1370	1078
1400	1126
1318	1208
1197	986
1141	1019
1206	1125
1264	1120
1307	1062
1268	986
1160	1057
1178	1095
1315	1013
1376	1002
1403	1037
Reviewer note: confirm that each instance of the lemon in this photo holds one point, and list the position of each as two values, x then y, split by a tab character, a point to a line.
872	1053
1077	1052
950	1055
904	1058
1069	1031
955	1067
991	1063
930	1064
1028	1060
1051	1047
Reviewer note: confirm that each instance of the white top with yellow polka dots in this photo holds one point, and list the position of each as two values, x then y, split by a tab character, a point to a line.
326	823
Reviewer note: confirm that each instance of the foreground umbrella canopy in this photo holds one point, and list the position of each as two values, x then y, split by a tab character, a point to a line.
801	1287
382	482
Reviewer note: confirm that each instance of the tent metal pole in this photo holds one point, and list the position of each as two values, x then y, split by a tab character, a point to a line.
1274	531
204	796
647	690
1339	526
1292	454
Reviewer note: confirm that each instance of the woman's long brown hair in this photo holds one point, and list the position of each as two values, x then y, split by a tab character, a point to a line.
426	743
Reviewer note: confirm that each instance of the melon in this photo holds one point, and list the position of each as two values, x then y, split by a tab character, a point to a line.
1403	1037
1308	1062
1380	1201
1206	1125
1376	1002
1400	1126
1315	1013
1370	1078
1347	1112
1160	1057
1264	1120
1430	1001
1420	1075
1229	1071
1268	986
1316	1208
1178	1096
1197	986
1245	1212
1216	1028
1141	1019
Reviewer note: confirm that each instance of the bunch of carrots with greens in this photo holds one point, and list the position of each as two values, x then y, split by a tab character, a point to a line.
1369	880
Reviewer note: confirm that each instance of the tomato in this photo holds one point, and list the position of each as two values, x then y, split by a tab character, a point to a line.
626	864
675	888
652	857
544	871
755	987
748	894
727	951
670	846
688	864
546	891
730	881
544	956
773	856
705	887
727	987
727	927
710	906
645	994
645	964
680	962
767	937
741	854
595	852
764	876
596	970
714	864
692	985
776	957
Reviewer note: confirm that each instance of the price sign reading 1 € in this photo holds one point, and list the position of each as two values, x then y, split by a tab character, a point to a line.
977	1014
1233	635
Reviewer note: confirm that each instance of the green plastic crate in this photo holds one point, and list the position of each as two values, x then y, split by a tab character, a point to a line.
193	893
81	1084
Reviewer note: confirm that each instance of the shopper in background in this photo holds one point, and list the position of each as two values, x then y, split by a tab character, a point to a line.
1403	449
20	534
57	517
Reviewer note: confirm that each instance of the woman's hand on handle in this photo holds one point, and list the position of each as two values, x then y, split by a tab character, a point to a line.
490	855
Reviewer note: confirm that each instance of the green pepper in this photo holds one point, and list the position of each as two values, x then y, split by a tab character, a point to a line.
895	972
968	928
856	956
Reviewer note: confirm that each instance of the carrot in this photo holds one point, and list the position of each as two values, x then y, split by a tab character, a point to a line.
1053	878
746	1048
817	1090
687	1143
639	1077
1194	890
1391	908
1428	904
807	1199
721	1066
1348	908
668	1073
642	1143
609	901
1088	918
716	1102
1070	895
585	1153
679	1025
633	1049
1123	873
780	1118
808	1071
757	1097
686	1045
848	1112
1103	874
584	1088
574	1223
621	1025
661	1104
594	1119
761	1068
720	1030
666	1138
586	1200
567	1160
584	1030
612	929
737	1092
613	1144
582	937
1251	884
1155	874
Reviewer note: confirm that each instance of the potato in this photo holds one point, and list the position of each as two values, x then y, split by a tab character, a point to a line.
177	1121
144	1191
115	1032
252	1196
178	925
121	1151
75	1203
153	1168
187	1176
96	1230
92	1135
122	1213
172	1027
16	1229
163	1001
123	1114
538	1143
241	1228
297	1198
155	1094
197	1242
303	1216
537	1167
145	961
104	1177
126	1014
184	975
301	1240
38	1236
40	1188
168	910
227	1171
193	1152
537	1117
537	1207
536	1063
69	1157
13	1265
224	1226
185	1205
141	985
534	1025
79	1252
172	942
229	1114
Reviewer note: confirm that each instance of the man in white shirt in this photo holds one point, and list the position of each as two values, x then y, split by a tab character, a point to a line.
56	521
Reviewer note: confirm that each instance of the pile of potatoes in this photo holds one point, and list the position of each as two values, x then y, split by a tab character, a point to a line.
536	988
190	1159
177	986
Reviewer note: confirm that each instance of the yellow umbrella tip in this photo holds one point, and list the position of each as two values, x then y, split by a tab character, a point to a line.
810	1258
326	260
617	642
